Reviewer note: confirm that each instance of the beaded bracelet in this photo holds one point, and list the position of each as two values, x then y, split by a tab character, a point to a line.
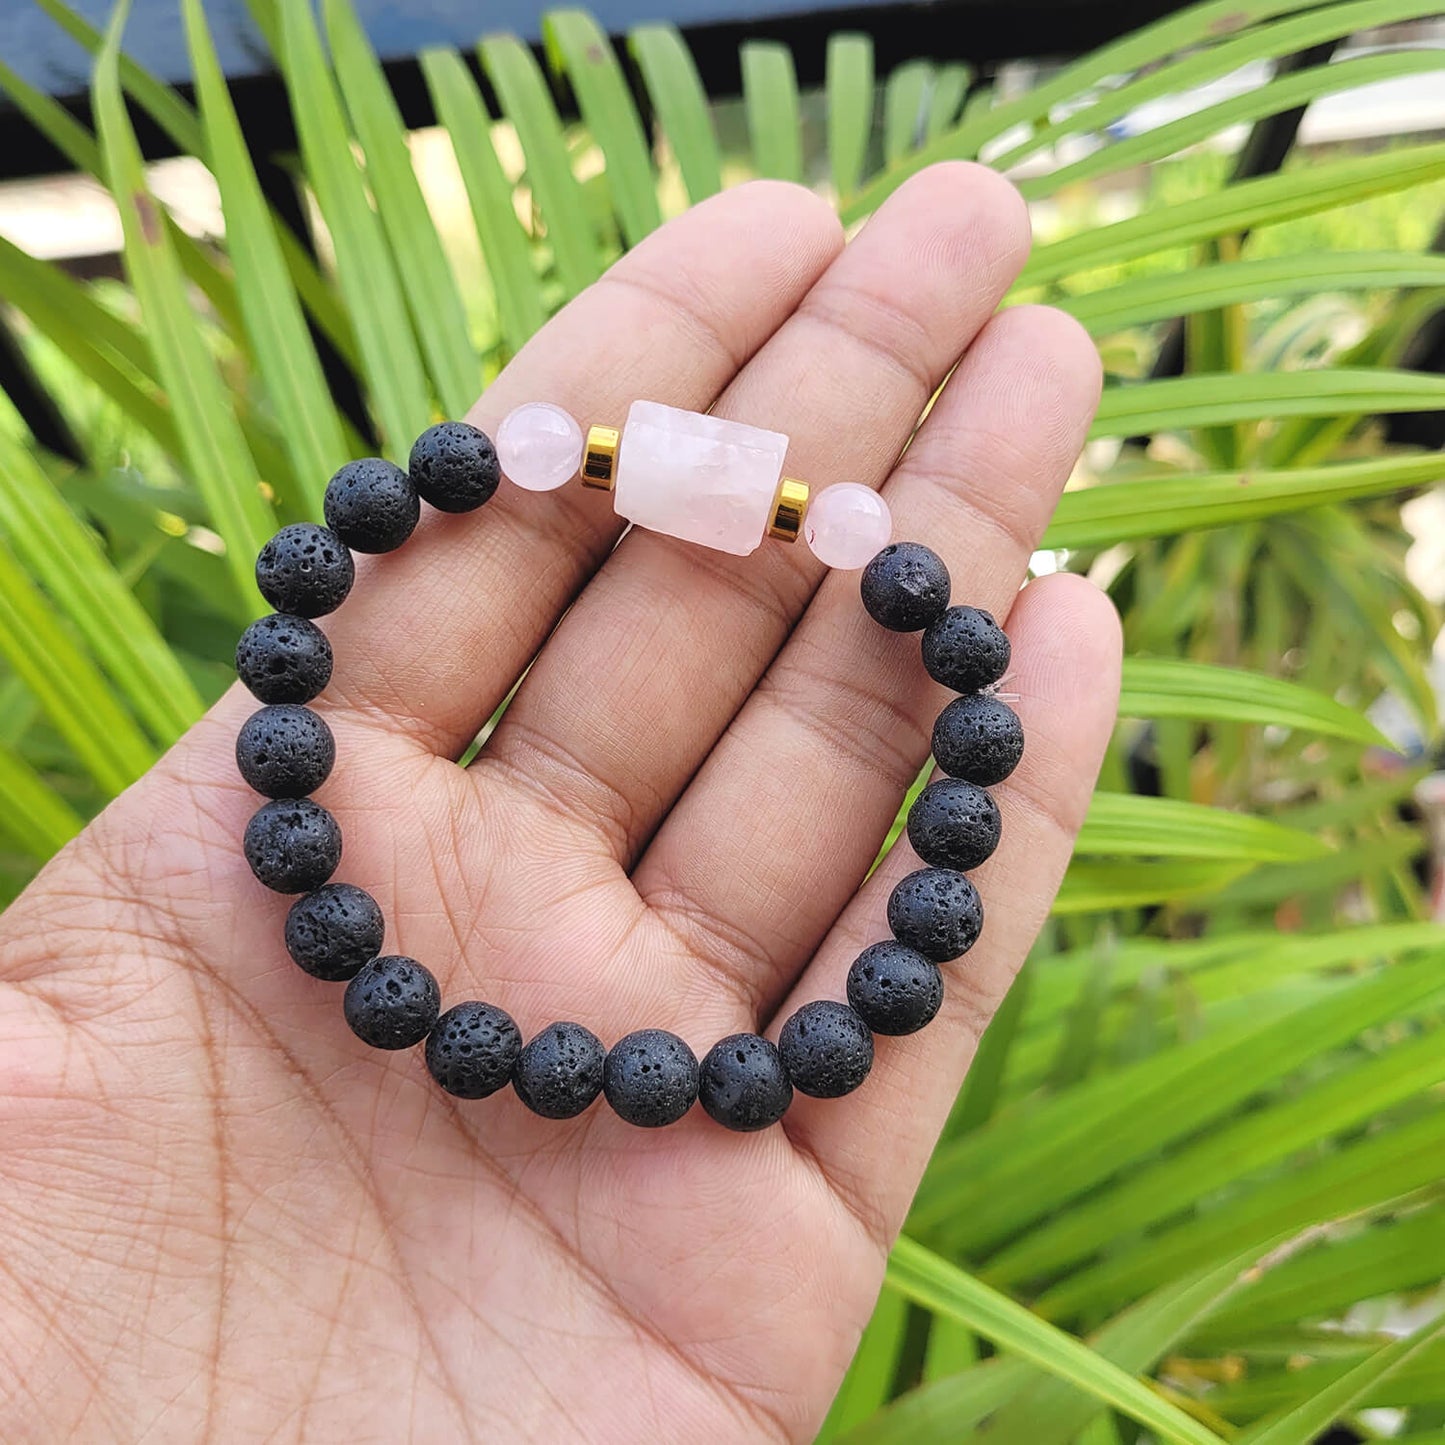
705	480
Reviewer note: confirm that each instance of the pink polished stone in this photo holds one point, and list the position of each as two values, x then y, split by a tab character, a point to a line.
847	525
698	477
539	447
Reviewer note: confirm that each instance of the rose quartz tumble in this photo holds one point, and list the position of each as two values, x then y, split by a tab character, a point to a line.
698	477
847	525
539	447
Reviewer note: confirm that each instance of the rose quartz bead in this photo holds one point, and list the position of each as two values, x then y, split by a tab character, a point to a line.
539	447
847	525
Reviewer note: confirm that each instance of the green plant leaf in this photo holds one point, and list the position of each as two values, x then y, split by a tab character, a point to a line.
1188	501
869	1380
522	93
950	86
1090	887
505	245
1239	207
364	266
439	317
677	95
61	553
1282	94
210	436
66	683
1121	825
931	1281
1306	1421
905	108
850	108
1169	687
770	97
285	356
1208	400
578	48
32	813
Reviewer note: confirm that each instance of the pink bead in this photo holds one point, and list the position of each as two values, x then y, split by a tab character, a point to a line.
539	447
847	525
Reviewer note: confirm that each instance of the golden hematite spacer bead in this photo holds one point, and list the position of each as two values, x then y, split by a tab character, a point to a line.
788	508
599	458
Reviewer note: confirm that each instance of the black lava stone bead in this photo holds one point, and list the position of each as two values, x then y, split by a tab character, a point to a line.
650	1078
472	1048
371	505
742	1083
454	466
954	824
283	659
559	1073
937	912
293	845
826	1049
392	1003
305	569
905	587
285	750
330	933
978	738
965	649
893	989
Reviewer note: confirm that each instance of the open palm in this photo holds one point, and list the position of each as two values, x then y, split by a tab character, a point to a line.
223	1215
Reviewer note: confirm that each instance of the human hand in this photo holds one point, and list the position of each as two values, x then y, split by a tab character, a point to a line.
224	1215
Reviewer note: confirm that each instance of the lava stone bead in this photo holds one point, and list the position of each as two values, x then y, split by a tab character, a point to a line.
965	649
305	569
826	1049
392	1003
894	989
936	912
293	845
454	466
281	658
332	932
742	1083
285	751
371	505
954	824
650	1078
472	1048
559	1073
905	587
978	738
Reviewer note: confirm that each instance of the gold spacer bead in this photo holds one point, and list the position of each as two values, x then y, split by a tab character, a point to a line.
788	508
599	458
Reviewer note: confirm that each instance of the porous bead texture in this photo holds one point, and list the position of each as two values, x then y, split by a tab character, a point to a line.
332	932
905	587
978	738
472	1048
285	751
559	1073
742	1083
936	912
894	989
965	649
282	658
650	1078
305	569
392	1003
454	467
371	505
826	1049
954	824
293	845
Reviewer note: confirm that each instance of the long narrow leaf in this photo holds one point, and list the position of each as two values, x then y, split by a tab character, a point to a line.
770	96
850	108
677	95
211	438
932	1282
1121	825
31	812
579	48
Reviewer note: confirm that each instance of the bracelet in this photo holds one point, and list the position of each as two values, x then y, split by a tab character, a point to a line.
706	480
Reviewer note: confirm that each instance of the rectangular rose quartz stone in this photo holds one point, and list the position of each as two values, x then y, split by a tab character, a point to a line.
698	477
